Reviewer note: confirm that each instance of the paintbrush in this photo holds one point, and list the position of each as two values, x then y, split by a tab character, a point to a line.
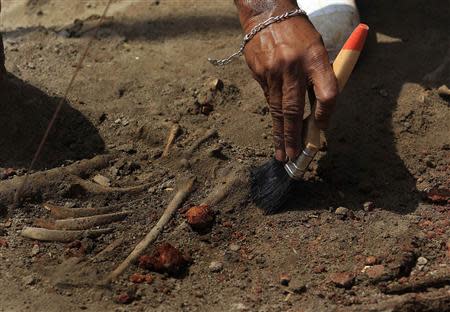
272	182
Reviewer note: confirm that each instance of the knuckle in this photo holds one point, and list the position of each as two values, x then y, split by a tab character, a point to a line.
291	108
290	57
276	112
275	109
328	96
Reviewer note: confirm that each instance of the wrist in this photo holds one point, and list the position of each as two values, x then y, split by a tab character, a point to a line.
252	12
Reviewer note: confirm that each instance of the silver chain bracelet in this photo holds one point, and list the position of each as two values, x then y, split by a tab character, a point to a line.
253	32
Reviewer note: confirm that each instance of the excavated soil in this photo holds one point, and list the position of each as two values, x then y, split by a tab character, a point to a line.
389	144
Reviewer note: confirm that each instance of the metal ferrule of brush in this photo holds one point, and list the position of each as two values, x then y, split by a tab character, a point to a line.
296	169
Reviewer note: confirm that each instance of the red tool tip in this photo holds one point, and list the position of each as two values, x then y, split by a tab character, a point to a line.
357	38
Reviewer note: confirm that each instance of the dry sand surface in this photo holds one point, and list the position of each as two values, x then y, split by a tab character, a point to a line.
368	230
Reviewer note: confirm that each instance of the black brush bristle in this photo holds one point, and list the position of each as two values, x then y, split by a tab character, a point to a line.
270	186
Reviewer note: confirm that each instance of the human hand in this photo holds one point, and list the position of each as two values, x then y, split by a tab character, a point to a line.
288	58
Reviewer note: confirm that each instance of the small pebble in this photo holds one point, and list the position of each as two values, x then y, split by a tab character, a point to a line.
369	206
35	250
422	261
375	271
29	280
216	85
341	211
216	266
371	260
344	279
102	180
234	247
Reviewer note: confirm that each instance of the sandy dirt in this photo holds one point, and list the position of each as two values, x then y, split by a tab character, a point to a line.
328	250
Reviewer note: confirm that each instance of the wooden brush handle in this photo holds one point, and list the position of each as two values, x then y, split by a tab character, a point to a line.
342	66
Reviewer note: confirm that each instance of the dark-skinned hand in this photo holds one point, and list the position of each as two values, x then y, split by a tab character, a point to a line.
287	59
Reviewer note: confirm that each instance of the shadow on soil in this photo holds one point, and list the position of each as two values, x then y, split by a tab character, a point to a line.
25	112
156	29
362	163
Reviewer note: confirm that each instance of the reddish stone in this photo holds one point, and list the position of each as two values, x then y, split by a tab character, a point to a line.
165	259
403	280
425	223
3	243
8	172
343	279
371	260
375	271
140	278
438	195
137	278
319	269
227	224
149	278
124	298
444	223
200	217
237	235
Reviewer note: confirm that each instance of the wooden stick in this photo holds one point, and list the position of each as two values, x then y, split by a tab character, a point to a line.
174	131
85	223
60	236
174	204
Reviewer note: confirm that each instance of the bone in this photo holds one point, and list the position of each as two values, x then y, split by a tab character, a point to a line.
85	223
59	235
